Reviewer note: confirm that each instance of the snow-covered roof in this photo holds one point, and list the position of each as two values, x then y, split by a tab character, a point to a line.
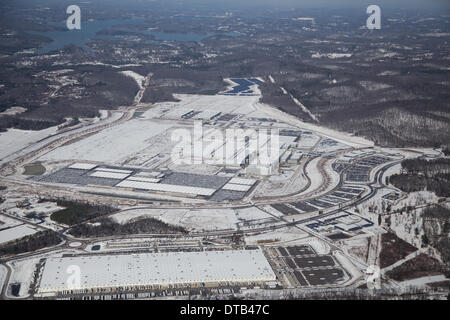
15	233
249	182
109	175
236	187
83	166
144	179
105	271
166	188
114	170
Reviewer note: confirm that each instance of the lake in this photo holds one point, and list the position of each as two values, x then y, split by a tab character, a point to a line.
89	29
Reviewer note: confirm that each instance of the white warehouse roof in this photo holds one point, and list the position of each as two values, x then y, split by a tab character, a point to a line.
166	188
109	175
106	271
83	166
236	187
114	170
248	182
144	179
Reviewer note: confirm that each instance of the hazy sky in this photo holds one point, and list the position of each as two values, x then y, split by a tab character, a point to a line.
442	6
330	3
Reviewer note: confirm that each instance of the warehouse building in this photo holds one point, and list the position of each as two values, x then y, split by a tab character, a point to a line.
156	270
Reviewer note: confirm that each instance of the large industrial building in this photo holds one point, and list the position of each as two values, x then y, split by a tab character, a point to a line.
154	270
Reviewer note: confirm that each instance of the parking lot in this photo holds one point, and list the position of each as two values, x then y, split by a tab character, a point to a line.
308	268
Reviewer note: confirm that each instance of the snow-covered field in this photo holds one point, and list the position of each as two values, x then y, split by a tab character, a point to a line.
16	233
23	273
345	138
207	105
112	145
213	219
347	264
288	236
6	222
329	146
308	141
423	281
286	182
14	140
196	220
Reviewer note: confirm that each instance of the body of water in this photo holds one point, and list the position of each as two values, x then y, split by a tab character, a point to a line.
89	29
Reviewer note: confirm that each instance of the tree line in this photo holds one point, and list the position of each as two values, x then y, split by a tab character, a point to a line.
106	227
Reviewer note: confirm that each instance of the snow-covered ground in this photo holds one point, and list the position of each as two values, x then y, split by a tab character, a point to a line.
14	140
347	264
330	146
405	224
286	236
345	138
286	182
136	76
6	222
314	174
112	145
22	272
357	247
3	273
304	109
251	213
318	184
308	141
16	233
13	111
207	105
392	170
29	141
423	281
213	219
197	220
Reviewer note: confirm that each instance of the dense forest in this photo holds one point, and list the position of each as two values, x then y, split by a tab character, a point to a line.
82	92
436	224
106	227
421	174
30	243
76	212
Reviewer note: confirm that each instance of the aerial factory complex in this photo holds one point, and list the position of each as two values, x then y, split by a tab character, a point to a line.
222	228
213	176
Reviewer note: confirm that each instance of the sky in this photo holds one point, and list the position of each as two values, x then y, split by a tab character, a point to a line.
441	6
330	3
